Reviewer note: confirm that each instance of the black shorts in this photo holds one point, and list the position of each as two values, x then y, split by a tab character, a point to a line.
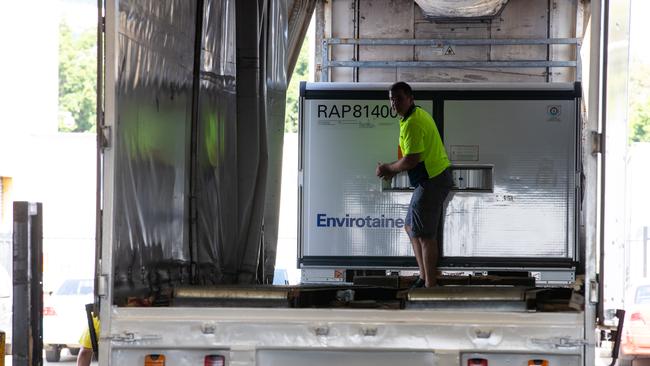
427	203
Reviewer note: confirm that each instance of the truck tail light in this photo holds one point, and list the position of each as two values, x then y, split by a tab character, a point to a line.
154	360
637	317
214	360
49	311
477	362
537	363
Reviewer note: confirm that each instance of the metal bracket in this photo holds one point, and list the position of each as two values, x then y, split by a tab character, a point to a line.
132	337
322	331
593	291
548	277
209	328
102	286
560	342
105	137
596	143
369	331
327	64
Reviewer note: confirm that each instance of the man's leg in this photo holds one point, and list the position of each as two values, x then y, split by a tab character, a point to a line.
431	213
430	261
417	249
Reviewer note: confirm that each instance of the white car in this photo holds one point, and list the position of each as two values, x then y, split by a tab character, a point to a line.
64	317
635	341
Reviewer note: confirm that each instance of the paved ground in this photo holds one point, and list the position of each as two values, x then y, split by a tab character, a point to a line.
66	360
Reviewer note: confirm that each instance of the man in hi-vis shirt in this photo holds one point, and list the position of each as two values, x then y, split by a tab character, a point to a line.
425	160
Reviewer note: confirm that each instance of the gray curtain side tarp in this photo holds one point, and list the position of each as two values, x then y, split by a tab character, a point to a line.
242	84
276	91
154	99
216	149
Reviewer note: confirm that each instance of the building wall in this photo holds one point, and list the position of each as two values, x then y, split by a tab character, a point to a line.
60	172
36	162
28	68
637	221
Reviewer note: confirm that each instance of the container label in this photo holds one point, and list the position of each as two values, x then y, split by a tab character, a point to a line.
464	152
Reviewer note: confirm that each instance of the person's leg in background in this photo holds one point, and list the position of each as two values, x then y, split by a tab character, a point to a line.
85	356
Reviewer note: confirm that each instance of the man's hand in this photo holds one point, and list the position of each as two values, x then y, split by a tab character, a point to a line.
389	170
384	171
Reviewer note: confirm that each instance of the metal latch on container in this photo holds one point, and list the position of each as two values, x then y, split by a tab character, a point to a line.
102	285
322	331
593	292
559	342
369	331
597	142
131	337
105	137
209	328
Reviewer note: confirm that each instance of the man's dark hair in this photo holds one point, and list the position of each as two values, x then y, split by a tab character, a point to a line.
404	87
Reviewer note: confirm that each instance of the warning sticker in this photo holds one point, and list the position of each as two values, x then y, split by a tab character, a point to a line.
449	51
464	152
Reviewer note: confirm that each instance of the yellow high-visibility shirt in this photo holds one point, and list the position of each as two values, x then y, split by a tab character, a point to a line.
85	341
419	134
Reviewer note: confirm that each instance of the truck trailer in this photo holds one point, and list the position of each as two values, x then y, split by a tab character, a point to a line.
191	118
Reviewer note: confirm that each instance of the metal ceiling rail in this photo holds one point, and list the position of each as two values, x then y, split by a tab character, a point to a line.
451	64
452	42
441	43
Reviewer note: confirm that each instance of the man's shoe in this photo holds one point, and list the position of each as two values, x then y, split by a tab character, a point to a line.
417	284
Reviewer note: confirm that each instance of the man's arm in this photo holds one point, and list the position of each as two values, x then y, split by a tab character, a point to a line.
388	170
85	356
